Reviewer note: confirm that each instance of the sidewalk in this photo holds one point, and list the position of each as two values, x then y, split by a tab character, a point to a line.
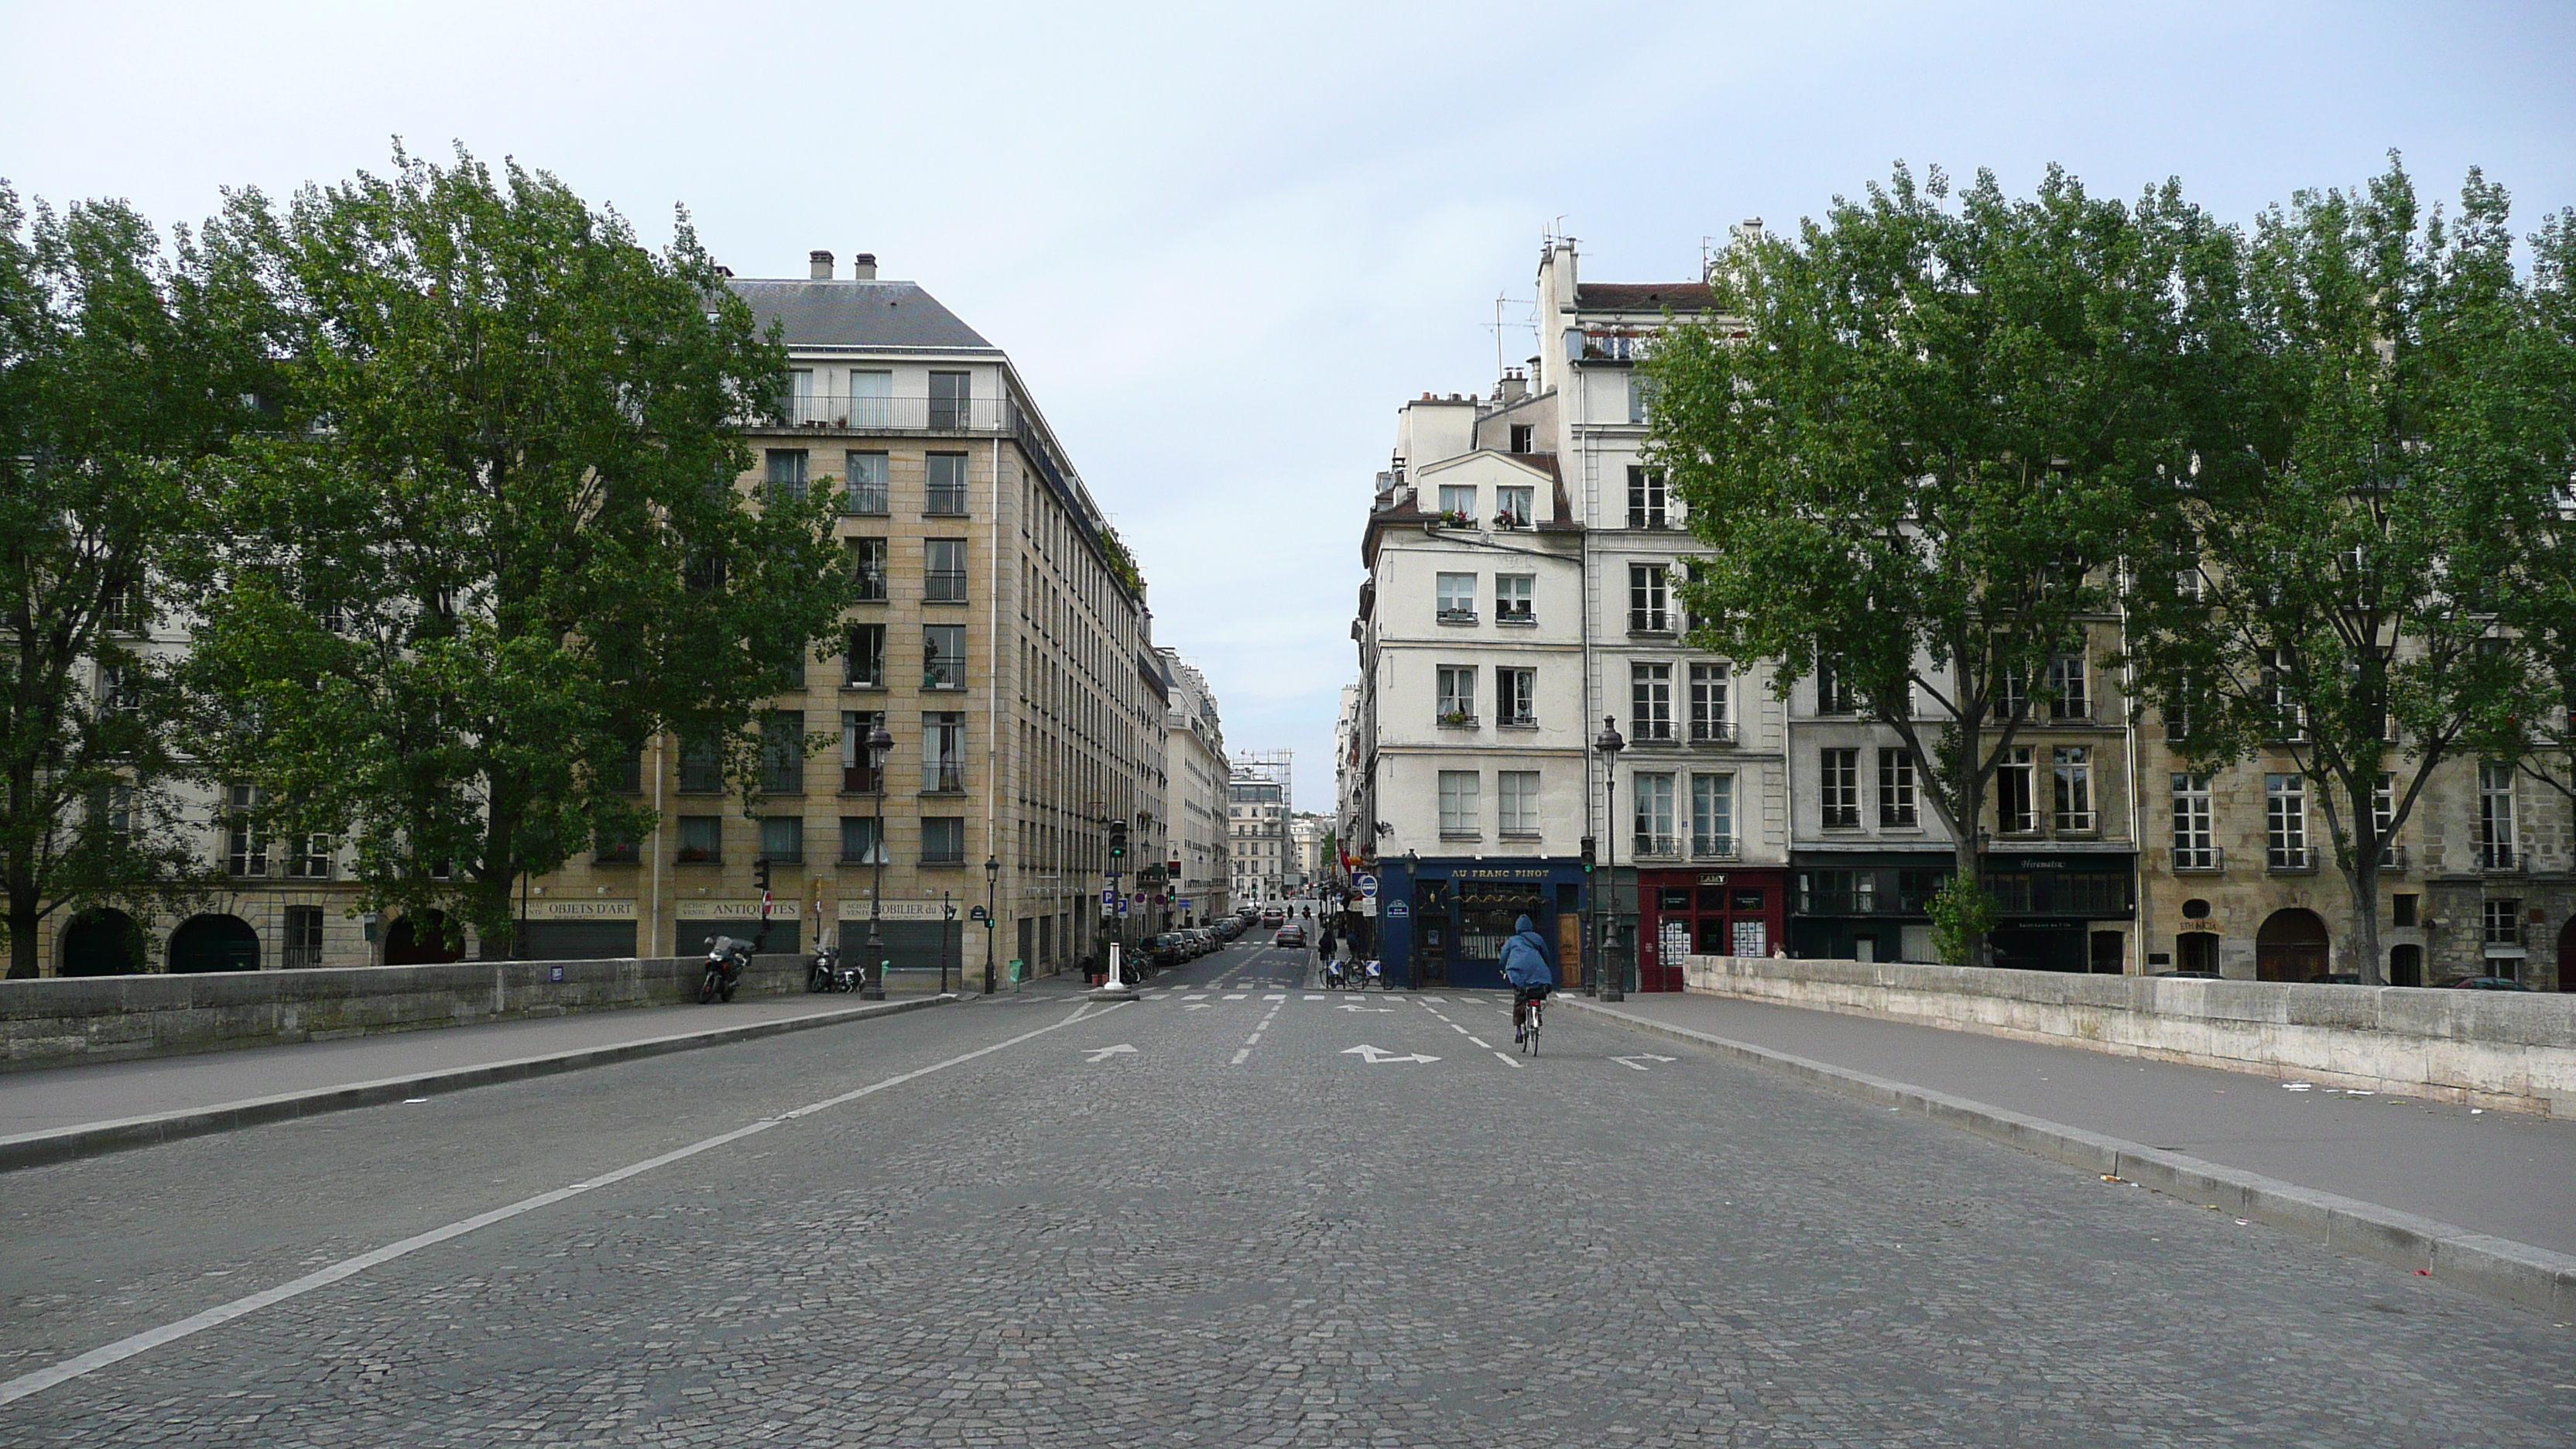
2499	1174
72	1111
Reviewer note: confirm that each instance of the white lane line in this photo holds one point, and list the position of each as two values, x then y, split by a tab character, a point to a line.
1314	996
1462	1031
1513	1061
1202	996
1480	1041
1253	1040
1240	1055
1236	996
223	1313
1275	996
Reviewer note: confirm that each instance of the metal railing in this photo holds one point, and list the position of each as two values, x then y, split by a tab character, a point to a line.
2289	858
2199	858
1457	616
944	586
2078	822
947	777
300	958
1712	847
1649	621
893	414
1647	845
618	852
2496	855
1712	732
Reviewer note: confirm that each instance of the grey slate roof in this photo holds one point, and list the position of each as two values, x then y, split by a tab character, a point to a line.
840	313
1683	297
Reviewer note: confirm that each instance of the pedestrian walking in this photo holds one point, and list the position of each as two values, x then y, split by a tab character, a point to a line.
1324	944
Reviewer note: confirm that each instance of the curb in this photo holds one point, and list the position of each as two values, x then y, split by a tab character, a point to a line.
93	1139
2517	1272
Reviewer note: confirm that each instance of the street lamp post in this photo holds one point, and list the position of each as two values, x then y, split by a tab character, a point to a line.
992	882
1609	986
947	914
880	744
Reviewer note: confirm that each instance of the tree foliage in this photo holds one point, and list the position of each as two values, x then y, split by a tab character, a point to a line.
497	543
123	375
1915	438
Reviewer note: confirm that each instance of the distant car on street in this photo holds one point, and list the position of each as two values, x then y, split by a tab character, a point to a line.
2484	983
1274	917
1289	936
2335	978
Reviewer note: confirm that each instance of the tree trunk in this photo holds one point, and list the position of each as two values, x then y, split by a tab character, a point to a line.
24	921
2363	881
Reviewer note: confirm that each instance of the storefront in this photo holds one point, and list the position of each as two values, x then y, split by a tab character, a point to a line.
1864	905
1444	922
1732	912
2063	910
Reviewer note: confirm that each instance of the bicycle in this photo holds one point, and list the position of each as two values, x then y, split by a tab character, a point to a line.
1529	1013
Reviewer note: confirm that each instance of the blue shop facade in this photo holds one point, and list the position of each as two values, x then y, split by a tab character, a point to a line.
1442	922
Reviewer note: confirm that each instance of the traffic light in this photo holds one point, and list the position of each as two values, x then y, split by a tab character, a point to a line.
762	869
1117	840
1588	858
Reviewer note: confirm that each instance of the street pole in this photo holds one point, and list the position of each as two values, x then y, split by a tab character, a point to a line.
992	881
947	917
872	987
1612	984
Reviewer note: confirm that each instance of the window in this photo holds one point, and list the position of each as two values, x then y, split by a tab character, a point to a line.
1457	693
2285	822
782	839
1838	788
2404	909
1457	596
868	563
1651	798
701	840
943	656
616	845
1516	696
871	398
308	855
858	777
2192	847
120	688
1513	598
125	612
2383	818
702	767
2289	717
787	465
943	751
1649	600
863	665
2503	922
859	843
1513	506
1833	692
951	401
944	570
802	405
1524	437
2180	709
1516	794
944	489
1459	500
2071	788
1641	397
867	492
1645	498
943	838
782	752
1896	789
111	811
1650	701
2012	692
2495	816
2066	686
624	773
1709	723
303	937
1458	802
1713	815
2016	793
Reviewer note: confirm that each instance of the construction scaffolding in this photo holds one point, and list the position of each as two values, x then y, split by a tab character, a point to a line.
1272	767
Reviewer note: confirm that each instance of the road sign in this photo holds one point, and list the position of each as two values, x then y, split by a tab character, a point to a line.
1367	885
1398	909
1182	904
1122	908
1109	898
979	915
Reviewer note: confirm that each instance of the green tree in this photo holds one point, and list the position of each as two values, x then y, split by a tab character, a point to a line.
500	545
122	374
2336	580
2542	613
1915	438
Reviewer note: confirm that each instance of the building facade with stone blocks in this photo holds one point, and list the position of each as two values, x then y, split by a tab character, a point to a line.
996	641
1258	803
1198	860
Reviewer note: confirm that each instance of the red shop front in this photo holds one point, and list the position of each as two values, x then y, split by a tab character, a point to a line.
1732	912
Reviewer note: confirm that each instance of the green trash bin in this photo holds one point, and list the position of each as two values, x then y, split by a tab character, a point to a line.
1018	970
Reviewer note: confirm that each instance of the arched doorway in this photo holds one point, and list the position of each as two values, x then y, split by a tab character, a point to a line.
421	940
101	942
2406	966
2567	955
214	943
2290	947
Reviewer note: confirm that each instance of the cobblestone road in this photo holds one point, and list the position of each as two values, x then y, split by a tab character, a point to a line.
1242	1231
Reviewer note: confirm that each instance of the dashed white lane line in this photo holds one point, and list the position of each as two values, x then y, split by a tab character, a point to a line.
1235	996
1275	996
1480	1041
1253	1040
1508	1059
1240	1054
1202	996
1462	1031
1313	996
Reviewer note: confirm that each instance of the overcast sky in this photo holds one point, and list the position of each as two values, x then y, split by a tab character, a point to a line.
1223	249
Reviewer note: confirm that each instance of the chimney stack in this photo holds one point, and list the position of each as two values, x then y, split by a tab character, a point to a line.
819	266
1515	385
863	267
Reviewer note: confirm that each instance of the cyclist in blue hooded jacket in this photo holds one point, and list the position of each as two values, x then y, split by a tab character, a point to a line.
1526	966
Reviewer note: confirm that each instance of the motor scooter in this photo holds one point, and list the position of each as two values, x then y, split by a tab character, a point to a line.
725	959
827	973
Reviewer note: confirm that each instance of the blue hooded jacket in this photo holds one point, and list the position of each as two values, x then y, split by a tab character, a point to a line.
1525	957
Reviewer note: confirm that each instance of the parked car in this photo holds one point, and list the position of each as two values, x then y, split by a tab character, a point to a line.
2335	978
2484	983
2194	975
1289	936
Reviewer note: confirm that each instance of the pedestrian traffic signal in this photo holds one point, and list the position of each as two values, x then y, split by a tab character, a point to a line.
1587	855
1117	840
762	869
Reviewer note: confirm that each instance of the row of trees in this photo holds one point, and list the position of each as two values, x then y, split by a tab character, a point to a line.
437	468
2319	470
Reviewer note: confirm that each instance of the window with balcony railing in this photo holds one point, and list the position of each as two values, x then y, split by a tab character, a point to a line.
1838	789
943	656
868	567
309	856
701	840
2495	815
1649	600
943	744
2199	858
1650	702
867	490
858	776
951	401
859	843
944	571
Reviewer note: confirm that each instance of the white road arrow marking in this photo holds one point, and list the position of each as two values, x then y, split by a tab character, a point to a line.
1355	1006
1638	1063
1105	1053
1376	1055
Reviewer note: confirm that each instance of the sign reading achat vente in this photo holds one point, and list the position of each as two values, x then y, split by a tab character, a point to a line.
900	911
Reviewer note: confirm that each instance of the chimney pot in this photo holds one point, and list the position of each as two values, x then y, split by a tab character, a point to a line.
819	266
863	267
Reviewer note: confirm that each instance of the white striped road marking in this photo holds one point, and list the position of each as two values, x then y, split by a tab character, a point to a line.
1480	1041
1202	996
1275	996
1240	1055
223	1313
1235	996
1508	1058
1253	1040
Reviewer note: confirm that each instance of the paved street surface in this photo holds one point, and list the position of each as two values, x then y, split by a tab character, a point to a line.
2506	1173
1205	1218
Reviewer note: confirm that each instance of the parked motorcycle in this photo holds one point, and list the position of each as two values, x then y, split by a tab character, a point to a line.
826	973
725	959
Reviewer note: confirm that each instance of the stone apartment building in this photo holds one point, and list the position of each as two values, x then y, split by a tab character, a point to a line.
1198	860
1257	810
996	643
